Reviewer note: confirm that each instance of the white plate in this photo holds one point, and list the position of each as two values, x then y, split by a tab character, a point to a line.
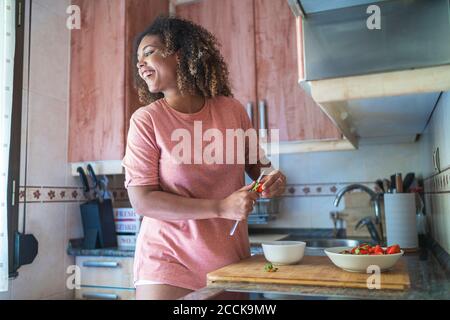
360	263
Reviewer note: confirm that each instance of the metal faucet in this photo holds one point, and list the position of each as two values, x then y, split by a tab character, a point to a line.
368	221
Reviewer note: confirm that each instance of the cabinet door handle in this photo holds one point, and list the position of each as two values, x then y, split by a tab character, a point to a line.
249	108
101	264
262	118
102	296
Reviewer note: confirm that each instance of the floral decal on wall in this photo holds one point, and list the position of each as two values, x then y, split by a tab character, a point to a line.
76	194
62	194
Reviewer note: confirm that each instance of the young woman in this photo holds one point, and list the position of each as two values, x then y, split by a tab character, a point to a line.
189	203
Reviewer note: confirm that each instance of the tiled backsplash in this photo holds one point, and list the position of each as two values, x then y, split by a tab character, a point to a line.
315	178
319	189
62	194
437	185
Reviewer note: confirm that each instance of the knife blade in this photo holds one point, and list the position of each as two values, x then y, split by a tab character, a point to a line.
253	189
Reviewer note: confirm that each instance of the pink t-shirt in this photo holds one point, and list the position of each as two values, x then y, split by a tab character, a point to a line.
182	252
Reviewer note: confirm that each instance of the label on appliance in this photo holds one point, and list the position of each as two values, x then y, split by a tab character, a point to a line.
126	241
125	213
127	226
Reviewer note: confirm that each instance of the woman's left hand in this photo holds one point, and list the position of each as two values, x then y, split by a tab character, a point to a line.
273	184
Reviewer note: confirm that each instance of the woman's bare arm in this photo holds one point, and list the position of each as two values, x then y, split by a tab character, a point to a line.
150	201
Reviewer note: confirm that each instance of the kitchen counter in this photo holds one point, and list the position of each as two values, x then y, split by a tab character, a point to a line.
75	249
429	280
429	272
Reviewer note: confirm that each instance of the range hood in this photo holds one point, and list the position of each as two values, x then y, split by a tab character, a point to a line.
376	85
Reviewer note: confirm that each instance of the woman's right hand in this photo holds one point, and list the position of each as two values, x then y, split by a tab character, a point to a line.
239	204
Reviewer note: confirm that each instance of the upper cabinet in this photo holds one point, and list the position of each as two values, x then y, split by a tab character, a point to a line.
289	107
102	97
258	41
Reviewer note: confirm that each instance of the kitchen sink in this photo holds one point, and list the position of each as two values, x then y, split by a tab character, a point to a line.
316	246
325	243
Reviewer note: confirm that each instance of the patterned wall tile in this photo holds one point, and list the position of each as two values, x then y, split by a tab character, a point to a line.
120	194
75	194
63	194
320	189
31	193
51	194
439	183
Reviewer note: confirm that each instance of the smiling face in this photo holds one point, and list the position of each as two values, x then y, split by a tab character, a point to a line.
159	72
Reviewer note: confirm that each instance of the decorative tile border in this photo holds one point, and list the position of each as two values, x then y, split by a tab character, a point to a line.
75	194
120	194
46	194
320	189
50	194
438	183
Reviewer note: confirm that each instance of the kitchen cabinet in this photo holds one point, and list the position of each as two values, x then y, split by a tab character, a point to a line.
109	278
102	97
235	32
260	47
369	81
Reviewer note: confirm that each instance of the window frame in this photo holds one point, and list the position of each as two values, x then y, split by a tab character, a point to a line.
16	133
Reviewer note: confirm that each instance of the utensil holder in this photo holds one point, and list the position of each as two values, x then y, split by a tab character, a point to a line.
98	224
400	214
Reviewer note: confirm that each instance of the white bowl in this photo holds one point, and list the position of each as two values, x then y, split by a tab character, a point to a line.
283	252
360	263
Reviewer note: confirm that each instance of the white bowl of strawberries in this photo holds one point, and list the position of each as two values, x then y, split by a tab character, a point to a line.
360	258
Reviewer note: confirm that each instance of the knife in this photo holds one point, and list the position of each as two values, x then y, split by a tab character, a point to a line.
85	183
255	187
97	188
407	182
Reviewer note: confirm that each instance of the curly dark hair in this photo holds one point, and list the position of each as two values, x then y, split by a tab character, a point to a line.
201	69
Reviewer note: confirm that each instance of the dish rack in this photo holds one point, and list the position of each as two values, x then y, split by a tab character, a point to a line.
264	211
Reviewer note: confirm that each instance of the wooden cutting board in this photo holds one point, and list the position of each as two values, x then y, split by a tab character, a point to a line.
312	270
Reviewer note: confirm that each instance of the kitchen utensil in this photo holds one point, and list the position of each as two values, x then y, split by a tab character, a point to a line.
409	179
253	189
312	271
360	263
379	183
104	181
393	186
284	252
386	185
85	182
399	183
97	189
97	216
400	219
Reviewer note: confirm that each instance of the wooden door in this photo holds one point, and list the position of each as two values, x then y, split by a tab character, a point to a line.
231	21
97	82
289	108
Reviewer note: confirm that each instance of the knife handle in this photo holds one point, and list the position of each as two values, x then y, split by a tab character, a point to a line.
399	183
92	174
84	179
